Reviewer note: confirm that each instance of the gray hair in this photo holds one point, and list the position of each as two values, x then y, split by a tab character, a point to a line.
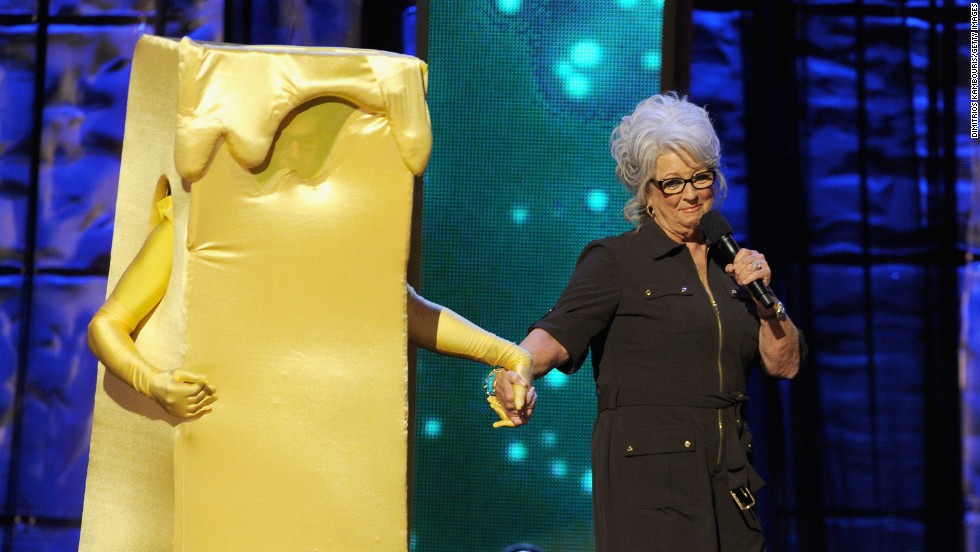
661	124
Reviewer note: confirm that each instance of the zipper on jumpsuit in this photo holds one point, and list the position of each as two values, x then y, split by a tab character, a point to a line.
721	377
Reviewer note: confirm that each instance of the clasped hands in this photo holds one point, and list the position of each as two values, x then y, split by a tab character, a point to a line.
514	396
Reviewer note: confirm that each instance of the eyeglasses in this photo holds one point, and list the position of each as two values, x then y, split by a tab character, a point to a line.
699	181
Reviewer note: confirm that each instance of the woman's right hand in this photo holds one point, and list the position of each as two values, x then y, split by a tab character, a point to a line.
506	387
181	393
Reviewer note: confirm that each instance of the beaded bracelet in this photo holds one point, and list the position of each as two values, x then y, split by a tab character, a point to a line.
487	386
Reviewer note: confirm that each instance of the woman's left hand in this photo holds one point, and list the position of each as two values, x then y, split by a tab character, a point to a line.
749	265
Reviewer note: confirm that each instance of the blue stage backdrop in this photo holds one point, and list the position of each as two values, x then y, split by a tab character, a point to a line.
524	96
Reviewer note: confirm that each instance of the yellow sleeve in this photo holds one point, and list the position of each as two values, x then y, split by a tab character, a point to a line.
139	290
453	335
459	337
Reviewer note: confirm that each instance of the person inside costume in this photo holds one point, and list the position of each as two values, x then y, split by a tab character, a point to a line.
673	334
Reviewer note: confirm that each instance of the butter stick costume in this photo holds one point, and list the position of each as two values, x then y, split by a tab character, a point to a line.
286	289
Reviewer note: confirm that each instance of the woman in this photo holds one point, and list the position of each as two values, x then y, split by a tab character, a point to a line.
673	334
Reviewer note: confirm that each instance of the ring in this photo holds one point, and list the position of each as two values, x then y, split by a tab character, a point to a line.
757	265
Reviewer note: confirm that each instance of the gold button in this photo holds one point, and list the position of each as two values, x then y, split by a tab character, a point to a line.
648	293
629	448
687	444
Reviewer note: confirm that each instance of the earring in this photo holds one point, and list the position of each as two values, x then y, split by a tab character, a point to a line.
650	210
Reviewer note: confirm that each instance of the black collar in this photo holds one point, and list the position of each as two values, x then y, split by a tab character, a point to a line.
655	240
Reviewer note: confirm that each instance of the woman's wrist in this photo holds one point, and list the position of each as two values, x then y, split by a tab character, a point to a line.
777	312
491	380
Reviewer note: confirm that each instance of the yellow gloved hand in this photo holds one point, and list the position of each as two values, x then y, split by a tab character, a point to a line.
139	290
460	337
441	330
498	407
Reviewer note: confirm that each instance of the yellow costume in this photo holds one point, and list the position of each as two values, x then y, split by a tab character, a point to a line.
291	172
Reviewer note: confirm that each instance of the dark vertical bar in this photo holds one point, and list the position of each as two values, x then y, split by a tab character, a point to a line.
773	113
944	508
29	270
422	30
867	261
238	21
381	23
160	19
675	72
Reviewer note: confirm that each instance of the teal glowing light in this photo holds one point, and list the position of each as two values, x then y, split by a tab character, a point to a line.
432	428
586	482
587	53
578	86
516	452
555	378
597	200
564	69
628	4
509	7
559	468
519	215
548	438
652	60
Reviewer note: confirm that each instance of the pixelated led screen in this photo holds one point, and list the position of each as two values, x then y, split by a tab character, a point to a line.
523	96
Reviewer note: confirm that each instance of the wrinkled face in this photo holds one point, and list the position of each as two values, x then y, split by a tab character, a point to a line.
679	213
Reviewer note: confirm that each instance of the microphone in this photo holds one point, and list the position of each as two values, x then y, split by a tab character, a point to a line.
718	231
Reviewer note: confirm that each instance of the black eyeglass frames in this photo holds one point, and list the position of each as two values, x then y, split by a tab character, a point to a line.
699	180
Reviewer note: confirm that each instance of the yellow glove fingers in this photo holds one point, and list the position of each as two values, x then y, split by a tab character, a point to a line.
201	407
497	407
520	395
202	397
179	395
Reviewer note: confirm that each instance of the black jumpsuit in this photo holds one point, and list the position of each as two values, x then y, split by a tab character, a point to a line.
669	442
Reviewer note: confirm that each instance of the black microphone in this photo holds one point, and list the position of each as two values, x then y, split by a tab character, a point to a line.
717	231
